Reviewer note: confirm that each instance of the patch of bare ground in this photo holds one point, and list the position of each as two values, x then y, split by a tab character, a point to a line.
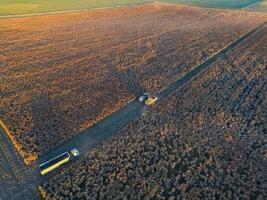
206	141
62	73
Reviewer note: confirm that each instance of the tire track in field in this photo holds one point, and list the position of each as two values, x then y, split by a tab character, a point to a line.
17	182
5	160
7	176
12	169
13	160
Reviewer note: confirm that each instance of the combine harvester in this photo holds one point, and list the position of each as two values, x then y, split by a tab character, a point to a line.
149	100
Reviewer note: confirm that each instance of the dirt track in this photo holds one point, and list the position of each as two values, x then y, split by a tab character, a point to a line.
61	74
17	181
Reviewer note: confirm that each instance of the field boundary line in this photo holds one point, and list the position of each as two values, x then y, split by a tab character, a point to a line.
26	158
70	11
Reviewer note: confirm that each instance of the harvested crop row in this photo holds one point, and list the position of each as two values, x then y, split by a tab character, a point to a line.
207	140
60	74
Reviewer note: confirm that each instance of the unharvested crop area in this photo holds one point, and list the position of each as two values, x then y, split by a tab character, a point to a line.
206	141
61	74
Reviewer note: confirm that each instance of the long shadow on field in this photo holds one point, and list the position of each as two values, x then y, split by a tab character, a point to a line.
49	123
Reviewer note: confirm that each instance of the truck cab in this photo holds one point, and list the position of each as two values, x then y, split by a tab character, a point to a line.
75	152
144	97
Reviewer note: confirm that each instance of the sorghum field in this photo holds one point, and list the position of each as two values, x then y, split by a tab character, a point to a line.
60	74
206	141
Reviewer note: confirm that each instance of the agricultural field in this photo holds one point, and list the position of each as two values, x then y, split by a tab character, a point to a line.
205	141
18	7
260	7
61	74
228	4
21	7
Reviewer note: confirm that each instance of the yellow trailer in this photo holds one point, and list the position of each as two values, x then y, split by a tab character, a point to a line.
54	163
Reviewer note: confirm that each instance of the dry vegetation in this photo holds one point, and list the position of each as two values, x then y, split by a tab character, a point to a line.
62	73
206	141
